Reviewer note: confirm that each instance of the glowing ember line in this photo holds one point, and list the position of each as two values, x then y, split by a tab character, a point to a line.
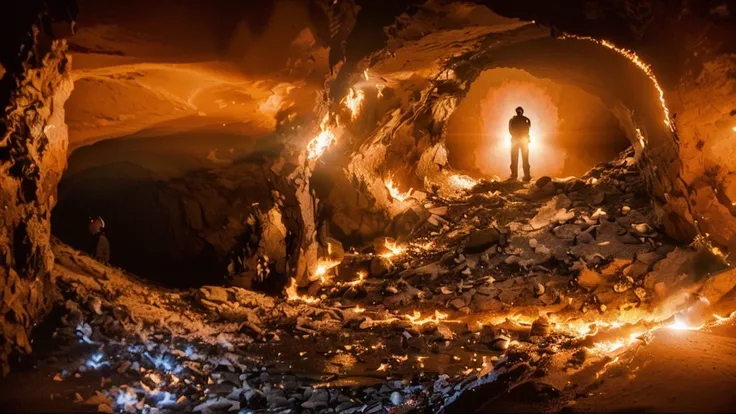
292	296
358	281
606	366
607	347
720	320
636	60
416	318
640	136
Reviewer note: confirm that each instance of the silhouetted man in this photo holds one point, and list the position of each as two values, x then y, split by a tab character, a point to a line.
101	246
519	127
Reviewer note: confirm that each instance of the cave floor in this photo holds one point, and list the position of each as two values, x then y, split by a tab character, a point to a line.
508	297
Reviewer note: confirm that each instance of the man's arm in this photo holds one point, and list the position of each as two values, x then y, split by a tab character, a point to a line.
511	130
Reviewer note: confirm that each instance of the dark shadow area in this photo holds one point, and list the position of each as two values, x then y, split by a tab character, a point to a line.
173	211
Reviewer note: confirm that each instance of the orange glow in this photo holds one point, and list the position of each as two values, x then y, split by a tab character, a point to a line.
462	182
394	190
394	250
640	136
379	90
497	108
636	60
607	347
423	246
358	281
354	102
322	267
324	140
416	318
293	296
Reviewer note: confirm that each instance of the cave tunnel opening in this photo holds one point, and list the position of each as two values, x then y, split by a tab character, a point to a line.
572	130
173	205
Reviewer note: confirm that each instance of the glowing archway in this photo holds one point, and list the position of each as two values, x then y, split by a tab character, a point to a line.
496	109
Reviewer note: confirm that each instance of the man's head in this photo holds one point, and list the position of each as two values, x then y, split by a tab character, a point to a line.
519	111
96	225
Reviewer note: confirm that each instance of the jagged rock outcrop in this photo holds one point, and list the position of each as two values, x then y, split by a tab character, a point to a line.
33	143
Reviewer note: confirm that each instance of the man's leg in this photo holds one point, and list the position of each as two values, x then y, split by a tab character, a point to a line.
525	160
514	158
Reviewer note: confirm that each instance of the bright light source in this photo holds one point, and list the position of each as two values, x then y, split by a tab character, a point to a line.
494	157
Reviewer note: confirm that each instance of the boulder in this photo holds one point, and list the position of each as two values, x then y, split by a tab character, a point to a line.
483	303
481	240
678	265
718	285
407	222
332	251
541	327
457	303
590	279
215	294
542	181
554	210
567	231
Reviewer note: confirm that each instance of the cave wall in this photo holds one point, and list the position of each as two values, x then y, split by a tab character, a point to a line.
33	144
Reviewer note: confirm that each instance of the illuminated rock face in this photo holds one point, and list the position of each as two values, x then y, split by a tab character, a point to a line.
689	173
33	143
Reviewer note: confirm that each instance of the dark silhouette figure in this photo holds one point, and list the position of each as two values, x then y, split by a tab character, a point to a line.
100	245
519	127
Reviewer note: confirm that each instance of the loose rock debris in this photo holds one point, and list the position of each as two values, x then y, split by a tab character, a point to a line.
547	277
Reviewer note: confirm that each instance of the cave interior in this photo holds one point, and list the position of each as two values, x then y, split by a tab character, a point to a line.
307	206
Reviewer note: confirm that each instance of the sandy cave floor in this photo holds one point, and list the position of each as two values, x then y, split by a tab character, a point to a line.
508	297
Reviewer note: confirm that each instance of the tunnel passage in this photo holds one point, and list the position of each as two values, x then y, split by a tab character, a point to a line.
572	130
174	206
618	91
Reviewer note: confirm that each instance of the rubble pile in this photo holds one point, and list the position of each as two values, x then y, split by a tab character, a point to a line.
505	283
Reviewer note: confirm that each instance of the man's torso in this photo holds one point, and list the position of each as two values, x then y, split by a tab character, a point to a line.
519	127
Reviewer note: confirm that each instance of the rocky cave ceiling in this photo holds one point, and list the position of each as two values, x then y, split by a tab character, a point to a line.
148	69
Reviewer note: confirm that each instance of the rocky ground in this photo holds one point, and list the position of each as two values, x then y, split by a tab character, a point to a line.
507	289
